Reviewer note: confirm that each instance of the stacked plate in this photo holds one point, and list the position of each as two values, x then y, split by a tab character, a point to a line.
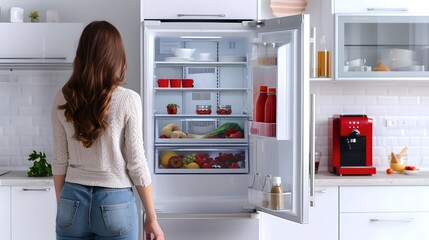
281	8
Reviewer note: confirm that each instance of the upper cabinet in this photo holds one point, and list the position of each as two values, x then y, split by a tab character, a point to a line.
371	46
38	43
200	9
380	6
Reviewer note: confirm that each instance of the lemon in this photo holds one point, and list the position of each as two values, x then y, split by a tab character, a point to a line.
192	165
165	156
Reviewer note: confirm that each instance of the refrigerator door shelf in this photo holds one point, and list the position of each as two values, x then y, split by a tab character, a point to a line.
191	160
276	202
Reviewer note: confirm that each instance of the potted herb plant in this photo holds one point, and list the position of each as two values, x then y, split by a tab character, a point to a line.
40	168
172	108
34	16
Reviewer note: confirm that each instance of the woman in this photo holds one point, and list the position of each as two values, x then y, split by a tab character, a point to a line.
98	145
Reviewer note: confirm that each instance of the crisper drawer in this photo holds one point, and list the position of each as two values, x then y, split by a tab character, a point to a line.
203	160
384	199
392	226
200	130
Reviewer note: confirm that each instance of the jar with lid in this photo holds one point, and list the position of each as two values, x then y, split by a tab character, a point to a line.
260	104
204	109
224	109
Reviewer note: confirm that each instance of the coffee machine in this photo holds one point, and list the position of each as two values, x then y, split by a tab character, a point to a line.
350	145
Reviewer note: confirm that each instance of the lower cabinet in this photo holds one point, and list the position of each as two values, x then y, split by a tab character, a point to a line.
5	212
394	213
33	210
323	221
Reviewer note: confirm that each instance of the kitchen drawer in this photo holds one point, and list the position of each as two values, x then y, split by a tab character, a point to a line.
376	226
384	199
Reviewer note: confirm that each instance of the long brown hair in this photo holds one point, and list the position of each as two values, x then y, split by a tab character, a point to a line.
98	68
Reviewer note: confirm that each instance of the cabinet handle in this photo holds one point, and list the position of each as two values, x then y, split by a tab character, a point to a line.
200	15
387	9
391	220
36	189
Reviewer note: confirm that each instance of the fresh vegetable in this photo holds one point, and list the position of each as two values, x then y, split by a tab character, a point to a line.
389	171
410	168
40	168
224	131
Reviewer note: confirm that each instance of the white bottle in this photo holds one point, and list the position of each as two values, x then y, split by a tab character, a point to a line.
277	199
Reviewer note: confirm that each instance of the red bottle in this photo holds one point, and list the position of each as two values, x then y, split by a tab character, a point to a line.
260	104
270	106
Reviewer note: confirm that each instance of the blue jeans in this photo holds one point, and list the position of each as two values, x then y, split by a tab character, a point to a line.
88	212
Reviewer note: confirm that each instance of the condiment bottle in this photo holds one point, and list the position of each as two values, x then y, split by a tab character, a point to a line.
266	191
270	106
257	184
277	200
260	104
323	60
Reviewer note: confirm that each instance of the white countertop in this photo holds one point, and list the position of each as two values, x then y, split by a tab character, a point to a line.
379	179
19	178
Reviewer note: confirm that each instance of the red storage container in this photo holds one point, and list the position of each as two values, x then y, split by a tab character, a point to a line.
175	83
163	83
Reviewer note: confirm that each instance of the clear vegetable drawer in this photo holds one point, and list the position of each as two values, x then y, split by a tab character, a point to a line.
202	160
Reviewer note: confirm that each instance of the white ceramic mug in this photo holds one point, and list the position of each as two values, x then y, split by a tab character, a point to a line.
358	62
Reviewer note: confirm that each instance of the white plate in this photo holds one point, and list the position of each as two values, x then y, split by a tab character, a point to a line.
411	172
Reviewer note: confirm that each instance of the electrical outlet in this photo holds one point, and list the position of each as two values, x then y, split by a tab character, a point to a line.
391	123
407	122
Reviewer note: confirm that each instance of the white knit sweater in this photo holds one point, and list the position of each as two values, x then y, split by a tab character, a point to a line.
116	159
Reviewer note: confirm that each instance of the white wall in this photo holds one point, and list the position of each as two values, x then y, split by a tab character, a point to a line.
379	101
26	96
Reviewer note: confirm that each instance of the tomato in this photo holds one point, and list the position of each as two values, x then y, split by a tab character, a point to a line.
410	168
389	171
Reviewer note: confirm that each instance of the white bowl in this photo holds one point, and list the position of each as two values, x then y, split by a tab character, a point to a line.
411	172
183	52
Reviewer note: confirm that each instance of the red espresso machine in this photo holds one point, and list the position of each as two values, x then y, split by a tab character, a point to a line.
350	145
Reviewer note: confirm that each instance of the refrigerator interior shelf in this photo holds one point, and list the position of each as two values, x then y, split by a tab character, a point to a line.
277	202
214	116
202	89
202	171
190	63
194	141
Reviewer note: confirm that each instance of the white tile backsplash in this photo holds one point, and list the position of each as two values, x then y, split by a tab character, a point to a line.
25	113
408	103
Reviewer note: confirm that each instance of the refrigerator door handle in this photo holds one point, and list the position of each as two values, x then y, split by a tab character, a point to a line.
201	15
312	148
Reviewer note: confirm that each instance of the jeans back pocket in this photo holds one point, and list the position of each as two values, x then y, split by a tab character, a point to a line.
117	218
66	213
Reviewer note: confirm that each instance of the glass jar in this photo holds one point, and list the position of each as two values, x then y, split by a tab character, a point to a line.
224	109
204	109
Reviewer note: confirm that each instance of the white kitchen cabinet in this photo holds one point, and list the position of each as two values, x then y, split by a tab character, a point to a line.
373	213
38	42
323	220
33	212
5	212
382	47
380	6
199	9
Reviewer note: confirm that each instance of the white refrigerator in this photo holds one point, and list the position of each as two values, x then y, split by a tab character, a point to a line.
213	197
